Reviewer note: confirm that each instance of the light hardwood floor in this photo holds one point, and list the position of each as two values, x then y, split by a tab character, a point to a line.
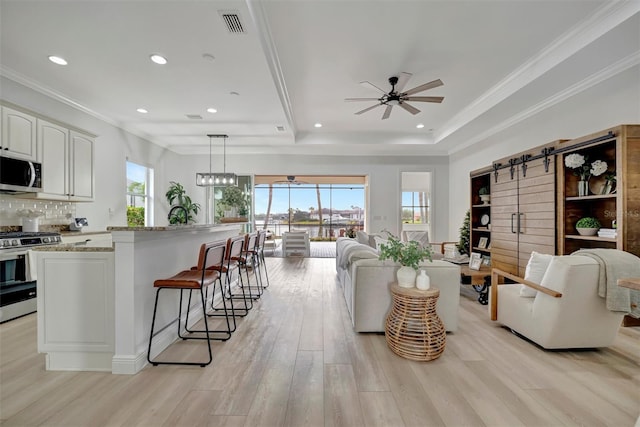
295	361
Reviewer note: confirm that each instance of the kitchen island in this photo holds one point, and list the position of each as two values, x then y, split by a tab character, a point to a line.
97	303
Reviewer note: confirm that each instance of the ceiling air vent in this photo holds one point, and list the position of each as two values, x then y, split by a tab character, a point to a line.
194	116
280	128
233	22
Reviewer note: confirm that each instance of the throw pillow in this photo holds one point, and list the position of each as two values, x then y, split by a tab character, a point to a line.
536	267
362	237
422	237
379	241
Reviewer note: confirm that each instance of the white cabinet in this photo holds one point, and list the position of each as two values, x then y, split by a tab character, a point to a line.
53	141
76	309
81	166
67	163
18	134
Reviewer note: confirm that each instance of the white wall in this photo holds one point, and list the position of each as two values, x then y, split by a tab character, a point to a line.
615	101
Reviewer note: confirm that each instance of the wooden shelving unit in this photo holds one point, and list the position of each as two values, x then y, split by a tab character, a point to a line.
620	148
479	179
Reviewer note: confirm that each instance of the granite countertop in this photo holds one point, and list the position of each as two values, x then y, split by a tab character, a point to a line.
179	227
82	233
71	247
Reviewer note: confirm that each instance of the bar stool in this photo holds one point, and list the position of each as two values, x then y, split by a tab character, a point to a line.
228	268
192	280
247	260
262	238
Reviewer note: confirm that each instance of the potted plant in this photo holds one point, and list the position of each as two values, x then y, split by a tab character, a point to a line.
177	196
485	197
588	226
408	254
234	202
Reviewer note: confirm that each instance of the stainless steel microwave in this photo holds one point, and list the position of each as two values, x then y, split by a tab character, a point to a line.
20	176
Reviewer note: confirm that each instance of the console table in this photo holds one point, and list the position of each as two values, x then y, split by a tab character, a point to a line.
480	280
413	329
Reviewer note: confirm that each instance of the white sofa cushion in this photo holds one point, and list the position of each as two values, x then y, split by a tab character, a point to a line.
536	268
362	237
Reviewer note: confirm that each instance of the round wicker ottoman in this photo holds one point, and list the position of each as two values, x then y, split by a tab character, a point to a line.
413	329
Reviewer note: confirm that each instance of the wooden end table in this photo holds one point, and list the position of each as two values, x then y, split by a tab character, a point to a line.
480	281
413	329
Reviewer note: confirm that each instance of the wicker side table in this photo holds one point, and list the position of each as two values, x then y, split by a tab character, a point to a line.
413	329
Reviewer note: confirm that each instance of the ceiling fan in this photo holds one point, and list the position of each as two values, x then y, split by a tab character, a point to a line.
397	97
291	179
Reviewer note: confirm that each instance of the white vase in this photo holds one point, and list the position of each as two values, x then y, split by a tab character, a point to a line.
583	188
423	282
406	277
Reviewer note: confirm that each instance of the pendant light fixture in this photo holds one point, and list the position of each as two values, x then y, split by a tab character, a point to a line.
217	179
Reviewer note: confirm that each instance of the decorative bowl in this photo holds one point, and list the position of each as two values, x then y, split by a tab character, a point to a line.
587	231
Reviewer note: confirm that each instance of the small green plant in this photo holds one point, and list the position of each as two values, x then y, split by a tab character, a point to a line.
350	231
483	191
234	197
408	254
588	222
177	196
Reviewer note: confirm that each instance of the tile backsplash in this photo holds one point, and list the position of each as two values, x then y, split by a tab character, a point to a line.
55	212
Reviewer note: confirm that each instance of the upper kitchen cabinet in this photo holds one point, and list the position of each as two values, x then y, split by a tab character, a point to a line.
18	135
67	163
81	177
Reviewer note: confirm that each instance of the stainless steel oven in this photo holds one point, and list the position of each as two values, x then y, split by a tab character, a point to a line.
17	276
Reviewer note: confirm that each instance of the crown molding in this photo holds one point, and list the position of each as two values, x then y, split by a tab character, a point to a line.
601	21
593	80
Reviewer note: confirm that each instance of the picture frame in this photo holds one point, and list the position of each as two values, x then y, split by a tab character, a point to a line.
486	260
475	261
482	243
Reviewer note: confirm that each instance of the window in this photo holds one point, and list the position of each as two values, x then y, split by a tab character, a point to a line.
139	195
325	206
415	207
416	201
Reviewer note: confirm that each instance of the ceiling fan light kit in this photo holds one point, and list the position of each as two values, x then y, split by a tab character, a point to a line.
217	179
396	97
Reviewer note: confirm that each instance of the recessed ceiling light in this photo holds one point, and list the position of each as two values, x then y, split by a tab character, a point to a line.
318	125
212	110
233	92
142	110
208	57
158	59
420	126
57	60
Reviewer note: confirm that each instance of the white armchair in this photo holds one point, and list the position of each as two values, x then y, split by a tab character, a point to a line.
566	311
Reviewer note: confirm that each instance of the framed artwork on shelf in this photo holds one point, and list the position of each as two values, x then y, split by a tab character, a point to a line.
482	243
486	260
475	261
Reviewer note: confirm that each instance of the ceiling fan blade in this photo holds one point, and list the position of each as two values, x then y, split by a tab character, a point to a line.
367	109
372	86
413	110
387	112
360	99
437	99
403	78
424	87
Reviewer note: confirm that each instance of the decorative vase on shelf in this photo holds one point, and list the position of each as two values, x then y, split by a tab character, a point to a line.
423	282
406	277
583	188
